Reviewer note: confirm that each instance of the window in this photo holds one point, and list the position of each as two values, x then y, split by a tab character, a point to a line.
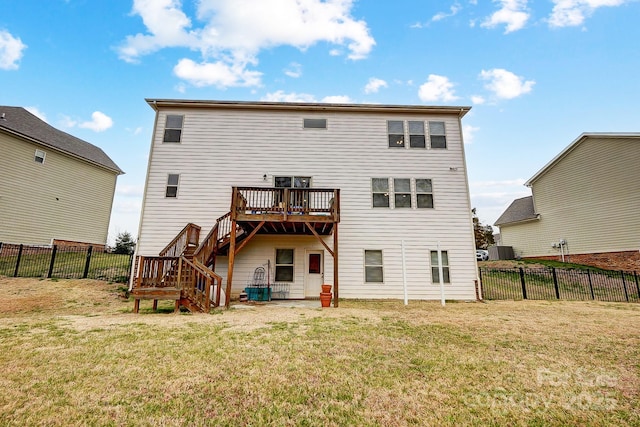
172	185
402	192
292	181
416	135
380	191
373	272
424	193
396	133
437	135
435	271
39	157
173	129
315	123
284	265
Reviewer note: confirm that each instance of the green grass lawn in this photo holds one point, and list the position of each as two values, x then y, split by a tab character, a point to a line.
72	353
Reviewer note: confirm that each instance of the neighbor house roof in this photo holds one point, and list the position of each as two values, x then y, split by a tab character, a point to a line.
19	122
306	106
583	137
519	210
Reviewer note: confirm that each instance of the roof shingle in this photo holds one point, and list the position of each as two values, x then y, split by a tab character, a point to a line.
519	210
18	121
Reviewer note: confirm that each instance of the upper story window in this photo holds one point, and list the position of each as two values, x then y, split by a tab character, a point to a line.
437	135
39	156
380	191
395	130
402	192
424	193
416	134
173	128
172	185
315	123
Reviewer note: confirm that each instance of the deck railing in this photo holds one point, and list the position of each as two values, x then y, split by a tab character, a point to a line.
288	201
156	272
187	237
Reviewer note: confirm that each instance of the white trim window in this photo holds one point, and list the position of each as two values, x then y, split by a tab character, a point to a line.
424	193
39	156
435	267
373	266
314	123
173	180
416	134
285	267
380	192
437	135
292	181
395	131
402	193
173	128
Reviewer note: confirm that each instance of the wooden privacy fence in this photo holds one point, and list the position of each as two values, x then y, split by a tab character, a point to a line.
67	262
557	283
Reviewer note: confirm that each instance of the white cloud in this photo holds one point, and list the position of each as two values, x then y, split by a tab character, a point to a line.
336	99
67	122
130	190
39	114
11	49
513	13
437	88
469	133
218	74
99	122
492	198
281	96
294	70
477	100
505	84
235	31
452	12
571	13
374	85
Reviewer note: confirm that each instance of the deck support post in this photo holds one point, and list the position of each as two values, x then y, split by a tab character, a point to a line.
335	265
232	256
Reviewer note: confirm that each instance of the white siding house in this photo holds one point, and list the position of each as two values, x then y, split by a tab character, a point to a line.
400	172
55	187
587	198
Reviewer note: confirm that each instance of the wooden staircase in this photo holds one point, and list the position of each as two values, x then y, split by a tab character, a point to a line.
188	264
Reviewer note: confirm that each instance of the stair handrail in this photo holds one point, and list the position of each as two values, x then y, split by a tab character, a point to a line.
197	292
188	236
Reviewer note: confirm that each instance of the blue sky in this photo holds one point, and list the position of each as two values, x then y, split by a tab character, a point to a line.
537	73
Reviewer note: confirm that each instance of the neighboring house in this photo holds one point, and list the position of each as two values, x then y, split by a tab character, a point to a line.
54	185
584	203
393	179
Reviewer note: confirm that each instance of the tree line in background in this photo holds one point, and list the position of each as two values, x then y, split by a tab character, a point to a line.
482	233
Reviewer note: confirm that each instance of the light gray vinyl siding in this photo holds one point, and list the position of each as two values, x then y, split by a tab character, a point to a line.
225	148
63	198
589	198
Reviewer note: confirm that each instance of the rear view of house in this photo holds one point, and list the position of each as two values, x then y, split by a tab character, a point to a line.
584	205
55	187
372	199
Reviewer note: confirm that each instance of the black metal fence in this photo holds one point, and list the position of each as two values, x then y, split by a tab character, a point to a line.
556	283
68	262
